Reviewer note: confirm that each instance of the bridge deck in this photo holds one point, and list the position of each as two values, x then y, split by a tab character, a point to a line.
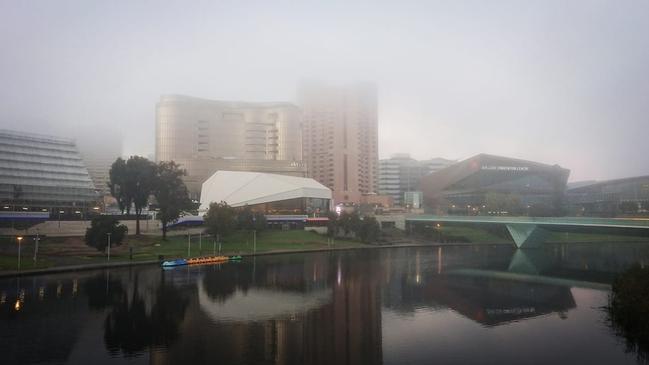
641	223
529	232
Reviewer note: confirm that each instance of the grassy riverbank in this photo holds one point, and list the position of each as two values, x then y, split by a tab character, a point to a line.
57	252
66	251
467	234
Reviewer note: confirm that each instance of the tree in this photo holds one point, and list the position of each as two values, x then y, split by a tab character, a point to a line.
260	221
117	185
220	219
97	234
369	229
245	219
171	193
349	222
332	224
132	182
248	220
140	184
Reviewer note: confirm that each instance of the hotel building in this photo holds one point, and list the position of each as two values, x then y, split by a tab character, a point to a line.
205	136
341	137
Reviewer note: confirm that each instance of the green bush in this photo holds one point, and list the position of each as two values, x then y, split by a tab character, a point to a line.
629	309
97	234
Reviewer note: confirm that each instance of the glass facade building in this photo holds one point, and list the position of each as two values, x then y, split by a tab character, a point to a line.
475	184
41	173
629	196
401	173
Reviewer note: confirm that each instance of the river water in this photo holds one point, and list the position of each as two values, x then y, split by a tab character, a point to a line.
447	305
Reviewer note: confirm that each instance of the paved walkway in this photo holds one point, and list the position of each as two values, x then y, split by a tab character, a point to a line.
78	229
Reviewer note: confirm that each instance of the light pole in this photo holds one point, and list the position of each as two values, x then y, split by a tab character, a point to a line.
19	238
189	244
36	246
108	234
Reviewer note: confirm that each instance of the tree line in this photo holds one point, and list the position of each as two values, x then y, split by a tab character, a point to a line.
132	183
135	181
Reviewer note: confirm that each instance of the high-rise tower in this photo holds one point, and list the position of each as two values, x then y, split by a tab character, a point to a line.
340	137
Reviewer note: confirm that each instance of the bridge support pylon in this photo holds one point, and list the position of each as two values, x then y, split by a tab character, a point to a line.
527	235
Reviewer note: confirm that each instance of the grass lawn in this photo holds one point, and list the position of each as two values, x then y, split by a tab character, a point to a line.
473	235
571	237
236	243
64	251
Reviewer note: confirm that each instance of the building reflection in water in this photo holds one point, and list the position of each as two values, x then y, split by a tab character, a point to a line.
318	308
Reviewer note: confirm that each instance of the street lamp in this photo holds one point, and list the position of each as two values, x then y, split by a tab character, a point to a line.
36	246
19	238
60	212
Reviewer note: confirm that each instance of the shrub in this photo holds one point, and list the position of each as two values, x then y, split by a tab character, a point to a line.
97	234
629	309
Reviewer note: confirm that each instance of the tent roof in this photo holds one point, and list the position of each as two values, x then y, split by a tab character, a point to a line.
239	188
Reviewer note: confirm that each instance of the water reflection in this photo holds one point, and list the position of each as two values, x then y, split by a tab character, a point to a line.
355	307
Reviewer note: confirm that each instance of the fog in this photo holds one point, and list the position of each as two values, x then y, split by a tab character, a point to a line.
562	82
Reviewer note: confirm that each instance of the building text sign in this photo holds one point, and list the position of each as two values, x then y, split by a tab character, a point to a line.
505	168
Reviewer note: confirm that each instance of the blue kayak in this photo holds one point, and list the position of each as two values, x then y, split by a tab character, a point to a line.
172	263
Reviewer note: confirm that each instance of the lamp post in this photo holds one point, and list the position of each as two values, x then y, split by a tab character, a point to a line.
108	234
19	238
36	245
189	244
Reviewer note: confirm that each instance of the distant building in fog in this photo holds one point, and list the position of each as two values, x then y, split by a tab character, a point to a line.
629	196
205	136
341	137
99	151
401	173
43	173
472	185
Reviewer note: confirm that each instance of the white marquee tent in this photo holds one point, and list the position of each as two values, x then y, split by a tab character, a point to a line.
239	188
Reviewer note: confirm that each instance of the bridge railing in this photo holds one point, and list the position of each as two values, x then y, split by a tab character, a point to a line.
580	221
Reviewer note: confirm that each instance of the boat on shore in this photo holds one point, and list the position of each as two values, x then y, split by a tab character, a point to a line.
199	261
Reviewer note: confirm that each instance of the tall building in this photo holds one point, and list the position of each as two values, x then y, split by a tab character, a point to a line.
43	173
341	137
204	136
401	173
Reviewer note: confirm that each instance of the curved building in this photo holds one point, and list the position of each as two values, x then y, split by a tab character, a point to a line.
204	136
267	193
43	173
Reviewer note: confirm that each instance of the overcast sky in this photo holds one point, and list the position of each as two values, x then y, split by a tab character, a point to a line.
562	82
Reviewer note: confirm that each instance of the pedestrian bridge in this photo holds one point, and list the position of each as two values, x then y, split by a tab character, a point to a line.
531	232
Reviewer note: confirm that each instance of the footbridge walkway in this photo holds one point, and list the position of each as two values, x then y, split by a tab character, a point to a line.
531	231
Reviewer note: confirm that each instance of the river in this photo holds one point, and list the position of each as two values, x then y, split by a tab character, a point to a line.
448	305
